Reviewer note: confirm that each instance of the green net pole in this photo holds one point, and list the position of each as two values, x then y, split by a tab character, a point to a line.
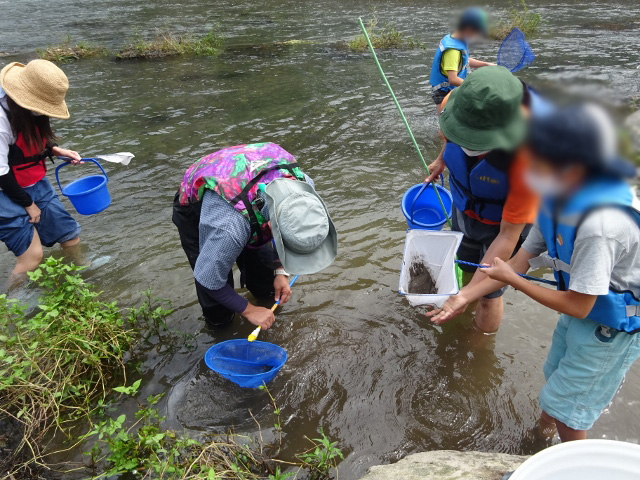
404	119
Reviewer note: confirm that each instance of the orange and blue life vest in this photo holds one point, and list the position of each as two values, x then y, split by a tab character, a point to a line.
479	185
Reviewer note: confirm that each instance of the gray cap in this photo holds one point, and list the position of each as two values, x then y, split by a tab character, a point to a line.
305	237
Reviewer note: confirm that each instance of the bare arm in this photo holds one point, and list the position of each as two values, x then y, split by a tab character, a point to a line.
519	263
437	166
457	304
502	247
473	63
568	302
454	79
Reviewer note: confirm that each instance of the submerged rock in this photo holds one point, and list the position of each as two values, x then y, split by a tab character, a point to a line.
447	465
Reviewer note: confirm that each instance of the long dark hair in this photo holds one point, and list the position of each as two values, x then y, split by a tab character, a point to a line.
35	129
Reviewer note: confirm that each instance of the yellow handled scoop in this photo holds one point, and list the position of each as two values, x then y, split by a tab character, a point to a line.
254	335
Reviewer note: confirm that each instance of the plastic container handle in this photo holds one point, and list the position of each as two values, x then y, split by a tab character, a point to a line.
84	160
415	199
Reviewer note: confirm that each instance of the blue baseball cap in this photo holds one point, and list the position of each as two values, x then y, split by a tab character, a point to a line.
476	19
580	134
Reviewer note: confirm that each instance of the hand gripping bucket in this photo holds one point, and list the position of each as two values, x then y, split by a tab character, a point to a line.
247	364
584	460
88	195
422	209
436	251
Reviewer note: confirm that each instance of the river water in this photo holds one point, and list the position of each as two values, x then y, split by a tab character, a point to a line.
363	365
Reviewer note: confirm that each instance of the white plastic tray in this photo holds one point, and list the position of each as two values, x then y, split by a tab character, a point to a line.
437	249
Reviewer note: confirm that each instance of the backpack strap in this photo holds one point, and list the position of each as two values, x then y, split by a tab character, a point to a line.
253	210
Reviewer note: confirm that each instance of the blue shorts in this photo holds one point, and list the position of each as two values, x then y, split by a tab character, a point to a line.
585	367
55	226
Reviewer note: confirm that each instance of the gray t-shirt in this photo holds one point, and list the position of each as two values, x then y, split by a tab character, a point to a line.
606	252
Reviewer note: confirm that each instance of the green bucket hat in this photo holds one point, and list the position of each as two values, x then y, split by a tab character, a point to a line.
485	112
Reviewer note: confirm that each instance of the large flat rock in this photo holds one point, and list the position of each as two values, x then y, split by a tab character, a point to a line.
447	465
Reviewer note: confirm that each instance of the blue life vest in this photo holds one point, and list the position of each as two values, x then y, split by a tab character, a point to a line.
437	79
478	184
619	310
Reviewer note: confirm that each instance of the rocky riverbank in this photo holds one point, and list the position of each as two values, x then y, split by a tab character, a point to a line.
447	465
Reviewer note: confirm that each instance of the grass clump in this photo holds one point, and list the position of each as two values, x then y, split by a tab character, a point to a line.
142	448
383	38
521	18
56	364
67	52
170	45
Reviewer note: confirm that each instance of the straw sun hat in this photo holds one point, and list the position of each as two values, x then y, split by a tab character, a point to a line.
38	86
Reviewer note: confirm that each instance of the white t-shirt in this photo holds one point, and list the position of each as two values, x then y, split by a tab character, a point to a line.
6	136
606	252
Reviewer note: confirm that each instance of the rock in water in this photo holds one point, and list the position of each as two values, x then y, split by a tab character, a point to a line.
420	279
447	465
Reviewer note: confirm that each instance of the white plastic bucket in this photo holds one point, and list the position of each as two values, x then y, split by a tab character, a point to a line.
583	460
438	252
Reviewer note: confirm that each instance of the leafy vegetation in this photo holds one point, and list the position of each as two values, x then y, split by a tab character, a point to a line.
147	451
383	38
56	364
168	44
67	52
322	457
522	18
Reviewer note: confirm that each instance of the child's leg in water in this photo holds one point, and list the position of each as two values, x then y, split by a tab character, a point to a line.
26	262
30	259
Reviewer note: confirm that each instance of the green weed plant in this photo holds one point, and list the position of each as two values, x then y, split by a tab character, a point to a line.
522	18
57	364
322	458
143	449
382	38
165	44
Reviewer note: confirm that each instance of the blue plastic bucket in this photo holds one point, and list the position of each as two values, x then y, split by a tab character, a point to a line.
88	195
247	364
422	209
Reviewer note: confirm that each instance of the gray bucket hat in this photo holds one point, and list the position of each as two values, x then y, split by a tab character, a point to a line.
305	237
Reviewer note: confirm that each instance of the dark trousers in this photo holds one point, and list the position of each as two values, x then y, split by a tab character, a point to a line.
257	277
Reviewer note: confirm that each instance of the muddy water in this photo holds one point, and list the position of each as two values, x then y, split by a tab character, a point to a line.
362	363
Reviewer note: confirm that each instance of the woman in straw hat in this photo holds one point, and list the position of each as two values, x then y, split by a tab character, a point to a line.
31	214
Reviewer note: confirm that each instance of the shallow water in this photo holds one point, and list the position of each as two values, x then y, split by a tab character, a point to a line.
362	363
